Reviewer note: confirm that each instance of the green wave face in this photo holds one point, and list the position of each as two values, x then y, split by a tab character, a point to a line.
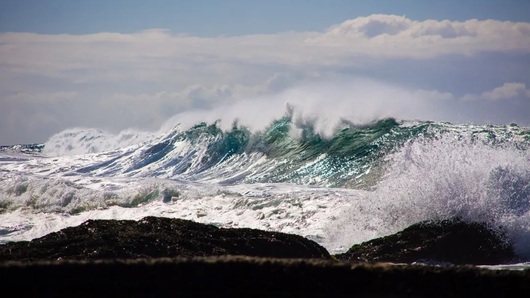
290	151
340	160
353	157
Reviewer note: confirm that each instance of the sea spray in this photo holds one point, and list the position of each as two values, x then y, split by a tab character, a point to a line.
475	173
359	183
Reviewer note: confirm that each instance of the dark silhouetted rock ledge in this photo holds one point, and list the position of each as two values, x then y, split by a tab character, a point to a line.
156	257
235	276
156	237
448	241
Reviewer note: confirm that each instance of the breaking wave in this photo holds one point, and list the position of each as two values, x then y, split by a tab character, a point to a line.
358	183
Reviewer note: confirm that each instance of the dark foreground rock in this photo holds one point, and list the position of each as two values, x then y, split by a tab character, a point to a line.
254	277
155	237
452	241
157	257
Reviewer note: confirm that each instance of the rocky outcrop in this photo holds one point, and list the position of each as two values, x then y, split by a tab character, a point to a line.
230	276
162	257
156	237
448	241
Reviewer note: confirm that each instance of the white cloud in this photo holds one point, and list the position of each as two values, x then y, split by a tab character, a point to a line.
506	91
370	26
154	53
115	79
395	36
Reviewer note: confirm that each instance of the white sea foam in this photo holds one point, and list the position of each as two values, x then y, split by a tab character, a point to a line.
278	207
88	140
448	176
458	173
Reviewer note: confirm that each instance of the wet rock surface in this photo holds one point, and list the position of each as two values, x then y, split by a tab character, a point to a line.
448	241
156	237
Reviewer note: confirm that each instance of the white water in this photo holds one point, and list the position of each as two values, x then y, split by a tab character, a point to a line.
446	177
432	178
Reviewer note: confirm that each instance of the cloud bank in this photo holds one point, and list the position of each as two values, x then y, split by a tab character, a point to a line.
114	81
504	92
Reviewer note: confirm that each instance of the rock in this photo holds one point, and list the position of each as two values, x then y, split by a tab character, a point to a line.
233	276
448	241
156	237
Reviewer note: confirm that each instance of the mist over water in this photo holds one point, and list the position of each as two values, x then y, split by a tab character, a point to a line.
325	106
89	140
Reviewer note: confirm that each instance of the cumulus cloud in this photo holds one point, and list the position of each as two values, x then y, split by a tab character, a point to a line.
504	92
118	80
150	52
426	39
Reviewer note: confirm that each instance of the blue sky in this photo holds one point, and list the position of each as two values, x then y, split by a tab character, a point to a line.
117	65
233	17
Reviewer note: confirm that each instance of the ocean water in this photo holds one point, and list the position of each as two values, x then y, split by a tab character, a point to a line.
353	184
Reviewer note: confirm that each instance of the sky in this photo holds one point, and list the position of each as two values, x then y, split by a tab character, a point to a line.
122	65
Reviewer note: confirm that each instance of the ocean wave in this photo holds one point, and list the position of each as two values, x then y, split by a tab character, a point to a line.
361	182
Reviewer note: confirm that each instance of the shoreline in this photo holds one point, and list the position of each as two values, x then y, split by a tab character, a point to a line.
256	276
158	256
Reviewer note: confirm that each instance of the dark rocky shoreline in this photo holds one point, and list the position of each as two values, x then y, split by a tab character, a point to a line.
157	237
161	256
229	276
448	241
